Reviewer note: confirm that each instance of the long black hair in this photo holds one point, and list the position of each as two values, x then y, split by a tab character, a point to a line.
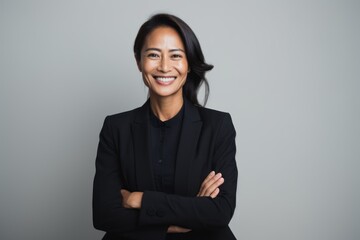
195	57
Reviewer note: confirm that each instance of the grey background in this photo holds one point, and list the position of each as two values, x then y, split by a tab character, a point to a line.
287	71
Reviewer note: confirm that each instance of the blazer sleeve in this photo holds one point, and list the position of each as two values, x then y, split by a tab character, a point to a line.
199	212
108	213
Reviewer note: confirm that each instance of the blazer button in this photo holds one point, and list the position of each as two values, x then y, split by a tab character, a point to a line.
160	213
151	212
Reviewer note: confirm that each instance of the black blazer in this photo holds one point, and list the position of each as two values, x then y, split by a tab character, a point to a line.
207	143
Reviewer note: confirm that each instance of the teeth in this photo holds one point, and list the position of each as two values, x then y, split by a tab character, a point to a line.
165	79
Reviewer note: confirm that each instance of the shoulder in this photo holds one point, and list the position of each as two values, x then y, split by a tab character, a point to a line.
212	115
215	119
125	119
218	124
123	116
137	114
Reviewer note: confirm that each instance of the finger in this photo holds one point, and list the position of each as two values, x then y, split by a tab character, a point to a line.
210	180
215	193
208	177
177	229
209	190
204	188
215	185
183	230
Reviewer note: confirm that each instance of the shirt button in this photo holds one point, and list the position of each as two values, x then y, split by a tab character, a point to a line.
160	161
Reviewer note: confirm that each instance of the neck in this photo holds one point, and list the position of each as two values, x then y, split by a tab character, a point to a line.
166	108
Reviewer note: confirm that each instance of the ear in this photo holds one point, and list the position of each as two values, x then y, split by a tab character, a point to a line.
138	64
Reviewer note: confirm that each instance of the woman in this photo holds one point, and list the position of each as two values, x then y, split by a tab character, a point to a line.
167	170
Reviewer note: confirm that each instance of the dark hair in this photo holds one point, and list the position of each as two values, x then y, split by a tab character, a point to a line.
195	57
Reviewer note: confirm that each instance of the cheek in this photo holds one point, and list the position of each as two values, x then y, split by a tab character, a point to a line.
145	80
182	67
149	66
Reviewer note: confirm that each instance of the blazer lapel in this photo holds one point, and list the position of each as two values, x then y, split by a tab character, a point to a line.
189	137
140	134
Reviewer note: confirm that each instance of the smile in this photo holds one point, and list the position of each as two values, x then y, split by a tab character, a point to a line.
164	80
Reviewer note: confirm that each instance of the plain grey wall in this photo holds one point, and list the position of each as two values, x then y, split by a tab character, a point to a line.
287	71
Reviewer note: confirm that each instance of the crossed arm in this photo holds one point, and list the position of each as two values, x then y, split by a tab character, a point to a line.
209	188
127	214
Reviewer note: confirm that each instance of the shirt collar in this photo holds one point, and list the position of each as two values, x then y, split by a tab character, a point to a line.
174	121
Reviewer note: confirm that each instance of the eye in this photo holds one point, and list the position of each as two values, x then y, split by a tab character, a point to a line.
153	55
176	56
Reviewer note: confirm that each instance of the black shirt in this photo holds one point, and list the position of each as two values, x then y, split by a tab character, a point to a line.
164	139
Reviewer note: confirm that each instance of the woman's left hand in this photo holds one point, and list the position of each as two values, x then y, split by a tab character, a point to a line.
131	199
210	185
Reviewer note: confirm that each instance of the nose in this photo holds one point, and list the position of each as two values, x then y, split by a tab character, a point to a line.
164	65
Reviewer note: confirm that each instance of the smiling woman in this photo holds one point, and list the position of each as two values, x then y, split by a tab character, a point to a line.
164	68
167	170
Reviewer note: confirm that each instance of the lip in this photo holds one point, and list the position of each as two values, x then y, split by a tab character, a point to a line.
164	80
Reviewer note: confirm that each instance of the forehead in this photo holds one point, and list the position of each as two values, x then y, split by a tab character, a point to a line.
164	36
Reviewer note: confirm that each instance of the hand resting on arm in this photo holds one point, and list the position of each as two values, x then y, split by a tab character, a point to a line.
209	188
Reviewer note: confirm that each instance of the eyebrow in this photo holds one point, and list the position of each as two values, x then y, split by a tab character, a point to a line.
159	50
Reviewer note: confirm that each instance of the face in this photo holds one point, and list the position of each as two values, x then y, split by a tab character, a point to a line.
163	63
